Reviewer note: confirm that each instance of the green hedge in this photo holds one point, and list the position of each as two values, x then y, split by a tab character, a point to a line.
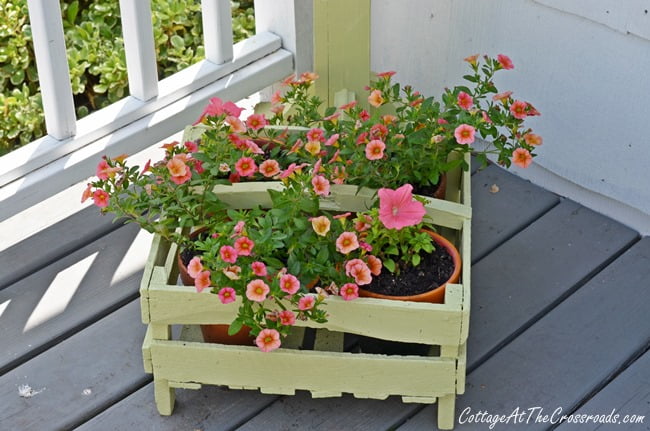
93	35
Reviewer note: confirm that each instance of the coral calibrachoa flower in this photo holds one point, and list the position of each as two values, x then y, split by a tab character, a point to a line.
268	340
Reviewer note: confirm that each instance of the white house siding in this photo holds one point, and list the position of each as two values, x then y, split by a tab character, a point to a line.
585	65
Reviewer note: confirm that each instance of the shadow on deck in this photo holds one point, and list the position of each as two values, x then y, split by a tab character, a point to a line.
559	320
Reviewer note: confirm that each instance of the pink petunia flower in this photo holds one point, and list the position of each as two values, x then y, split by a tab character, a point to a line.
505	62
259	269
179	171
244	246
268	340
321	185
100	198
347	242
349	291
522	158
227	295
202	280
321	225
375	98
398	209
307	302
216	107
194	267
256	121
518	109
464	134
257	290
289	284
287	317
375	149
269	168
228	254
465	101
246	167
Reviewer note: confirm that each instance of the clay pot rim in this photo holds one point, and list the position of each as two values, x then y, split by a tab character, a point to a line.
427	296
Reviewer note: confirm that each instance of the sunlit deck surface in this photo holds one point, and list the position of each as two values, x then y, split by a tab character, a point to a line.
560	320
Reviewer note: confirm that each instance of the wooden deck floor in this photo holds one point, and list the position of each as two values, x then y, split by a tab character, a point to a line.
560	320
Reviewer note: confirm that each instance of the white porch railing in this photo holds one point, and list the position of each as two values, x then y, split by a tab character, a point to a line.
154	109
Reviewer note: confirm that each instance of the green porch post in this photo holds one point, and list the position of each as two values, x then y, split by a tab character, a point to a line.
341	48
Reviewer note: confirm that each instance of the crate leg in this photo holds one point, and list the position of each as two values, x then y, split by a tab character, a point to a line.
165	396
446	412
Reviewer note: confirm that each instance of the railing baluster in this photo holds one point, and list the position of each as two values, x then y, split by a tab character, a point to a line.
53	70
217	30
137	29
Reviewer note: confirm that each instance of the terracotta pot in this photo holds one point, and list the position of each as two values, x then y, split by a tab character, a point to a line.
216	333
441	191
436	295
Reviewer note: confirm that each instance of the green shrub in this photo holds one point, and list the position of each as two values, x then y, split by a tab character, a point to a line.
93	35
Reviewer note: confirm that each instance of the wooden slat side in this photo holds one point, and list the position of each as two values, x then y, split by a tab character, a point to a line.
355	373
392	320
466	252
146	351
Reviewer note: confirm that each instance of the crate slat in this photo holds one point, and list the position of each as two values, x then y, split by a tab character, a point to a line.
217	364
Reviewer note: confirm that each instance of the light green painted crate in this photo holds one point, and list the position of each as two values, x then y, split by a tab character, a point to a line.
187	362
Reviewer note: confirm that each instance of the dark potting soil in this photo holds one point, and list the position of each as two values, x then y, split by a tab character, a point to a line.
434	269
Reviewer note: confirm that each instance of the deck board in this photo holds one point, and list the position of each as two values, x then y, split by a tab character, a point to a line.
81	287
104	358
627	395
504	213
559	360
536	268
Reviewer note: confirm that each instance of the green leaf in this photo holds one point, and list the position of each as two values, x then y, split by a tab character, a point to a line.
235	326
415	260
73	8
177	42
389	264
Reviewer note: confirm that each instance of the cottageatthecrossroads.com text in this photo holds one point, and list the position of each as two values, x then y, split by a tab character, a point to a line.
536	415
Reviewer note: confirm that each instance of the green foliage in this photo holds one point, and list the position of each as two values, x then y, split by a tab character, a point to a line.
96	58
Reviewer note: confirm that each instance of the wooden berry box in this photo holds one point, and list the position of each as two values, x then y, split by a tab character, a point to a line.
185	361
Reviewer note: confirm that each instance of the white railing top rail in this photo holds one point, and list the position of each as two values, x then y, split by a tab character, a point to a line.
154	109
